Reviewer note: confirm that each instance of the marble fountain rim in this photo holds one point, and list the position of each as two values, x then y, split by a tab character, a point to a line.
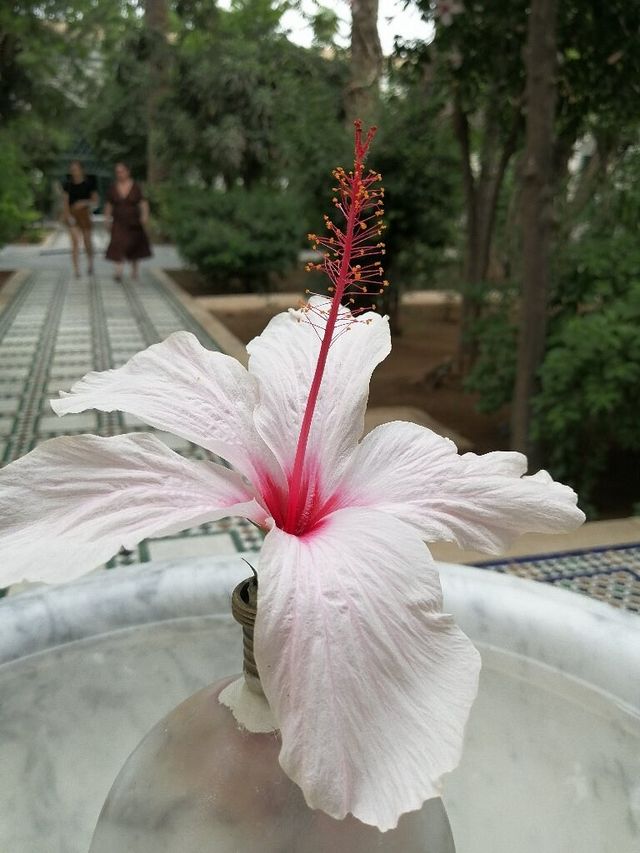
589	641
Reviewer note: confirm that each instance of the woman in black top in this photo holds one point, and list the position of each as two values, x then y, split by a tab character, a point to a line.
80	197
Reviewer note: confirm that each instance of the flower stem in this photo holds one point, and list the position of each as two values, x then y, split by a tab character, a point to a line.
296	489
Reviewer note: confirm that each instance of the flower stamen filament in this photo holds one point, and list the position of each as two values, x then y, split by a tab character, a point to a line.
346	277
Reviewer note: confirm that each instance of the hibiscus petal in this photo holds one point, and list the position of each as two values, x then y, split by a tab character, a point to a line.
181	387
370	683
71	503
283	359
480	502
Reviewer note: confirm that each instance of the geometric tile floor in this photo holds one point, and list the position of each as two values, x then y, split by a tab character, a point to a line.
56	329
609	574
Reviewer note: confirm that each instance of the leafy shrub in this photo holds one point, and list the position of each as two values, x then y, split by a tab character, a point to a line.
115	123
248	107
494	372
586	413
16	197
595	269
235	238
588	404
417	157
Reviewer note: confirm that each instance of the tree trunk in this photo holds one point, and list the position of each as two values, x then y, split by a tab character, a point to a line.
156	17
537	203
481	202
361	96
468	312
361	102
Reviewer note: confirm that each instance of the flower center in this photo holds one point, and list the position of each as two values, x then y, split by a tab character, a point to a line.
314	505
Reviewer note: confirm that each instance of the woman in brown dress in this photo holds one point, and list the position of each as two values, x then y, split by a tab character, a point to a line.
128	211
80	198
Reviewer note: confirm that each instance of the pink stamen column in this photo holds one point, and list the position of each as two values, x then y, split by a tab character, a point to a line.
346	261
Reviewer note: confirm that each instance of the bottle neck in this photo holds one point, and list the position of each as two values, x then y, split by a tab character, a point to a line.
244	602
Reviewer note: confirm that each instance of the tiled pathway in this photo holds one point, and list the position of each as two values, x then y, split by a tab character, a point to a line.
56	329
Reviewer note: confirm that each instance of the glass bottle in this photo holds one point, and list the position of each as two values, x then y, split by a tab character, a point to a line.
201	783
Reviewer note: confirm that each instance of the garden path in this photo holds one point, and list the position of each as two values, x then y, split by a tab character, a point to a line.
53	330
55	253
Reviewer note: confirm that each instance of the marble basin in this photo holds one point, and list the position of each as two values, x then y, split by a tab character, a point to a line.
552	760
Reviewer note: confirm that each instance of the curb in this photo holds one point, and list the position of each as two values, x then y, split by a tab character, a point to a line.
12	286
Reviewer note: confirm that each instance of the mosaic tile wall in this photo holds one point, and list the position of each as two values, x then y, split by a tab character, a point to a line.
53	332
609	574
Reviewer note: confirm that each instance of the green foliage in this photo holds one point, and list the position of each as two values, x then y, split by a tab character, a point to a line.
50	58
116	123
588	404
246	104
239	237
253	128
598	61
36	62
595	270
325	24
599	68
309	128
16	197
584	411
602	262
465	50
416	154
494	372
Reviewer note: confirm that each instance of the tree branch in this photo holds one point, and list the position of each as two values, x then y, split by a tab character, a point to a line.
461	129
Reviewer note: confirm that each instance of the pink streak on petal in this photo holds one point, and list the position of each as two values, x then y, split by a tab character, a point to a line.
313	506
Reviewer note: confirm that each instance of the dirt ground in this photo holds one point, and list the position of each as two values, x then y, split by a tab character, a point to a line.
411	375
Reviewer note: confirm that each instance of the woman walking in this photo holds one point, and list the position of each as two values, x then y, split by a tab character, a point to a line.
128	211
80	198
